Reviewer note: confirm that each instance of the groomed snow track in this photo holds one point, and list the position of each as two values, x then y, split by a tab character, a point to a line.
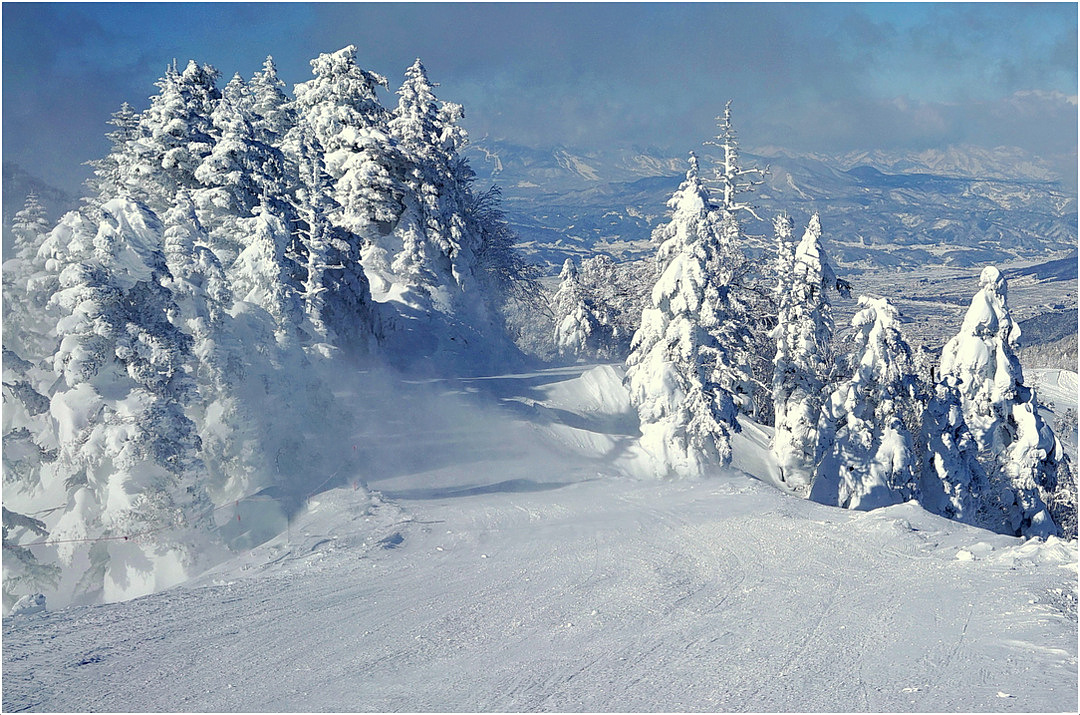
521	577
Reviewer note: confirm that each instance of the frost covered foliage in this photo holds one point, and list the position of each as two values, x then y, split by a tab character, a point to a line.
126	454
584	326
867	456
803	359
682	374
612	297
24	297
1019	451
340	111
953	482
167	347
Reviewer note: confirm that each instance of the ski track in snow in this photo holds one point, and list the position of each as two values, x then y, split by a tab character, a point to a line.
500	572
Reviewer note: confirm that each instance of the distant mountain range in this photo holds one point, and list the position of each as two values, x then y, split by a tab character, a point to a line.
957	206
961	206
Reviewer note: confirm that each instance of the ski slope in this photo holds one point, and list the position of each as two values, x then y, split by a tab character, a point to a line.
513	557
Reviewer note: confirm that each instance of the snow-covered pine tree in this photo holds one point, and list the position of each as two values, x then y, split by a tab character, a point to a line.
953	483
1019	451
239	172
579	332
436	224
682	373
618	295
735	179
272	114
28	227
803	359
127	453
260	274
867	458
237	93
120	166
25	328
175	135
750	299
340	111
438	178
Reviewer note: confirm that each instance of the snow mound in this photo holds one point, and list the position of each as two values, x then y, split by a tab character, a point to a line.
30	603
345	519
598	390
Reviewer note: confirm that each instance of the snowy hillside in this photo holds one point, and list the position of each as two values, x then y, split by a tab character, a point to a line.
512	559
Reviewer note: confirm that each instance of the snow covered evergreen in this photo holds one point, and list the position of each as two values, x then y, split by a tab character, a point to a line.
584	327
1019	451
340	111
953	483
866	453
25	328
175	135
750	300
803	360
682	373
127	454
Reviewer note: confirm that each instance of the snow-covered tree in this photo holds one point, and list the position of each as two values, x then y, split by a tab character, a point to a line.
803	360
735	179
260	274
682	374
426	130
127	453
270	106
579	331
750	296
239	173
953	483
866	453
340	111
175	135
24	327
28	227
113	174
1019	451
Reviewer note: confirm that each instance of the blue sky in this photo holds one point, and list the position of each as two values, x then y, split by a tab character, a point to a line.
809	77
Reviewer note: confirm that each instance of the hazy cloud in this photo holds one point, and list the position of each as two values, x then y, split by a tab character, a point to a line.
825	77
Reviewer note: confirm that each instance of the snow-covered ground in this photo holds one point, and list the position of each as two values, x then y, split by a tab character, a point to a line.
514	559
